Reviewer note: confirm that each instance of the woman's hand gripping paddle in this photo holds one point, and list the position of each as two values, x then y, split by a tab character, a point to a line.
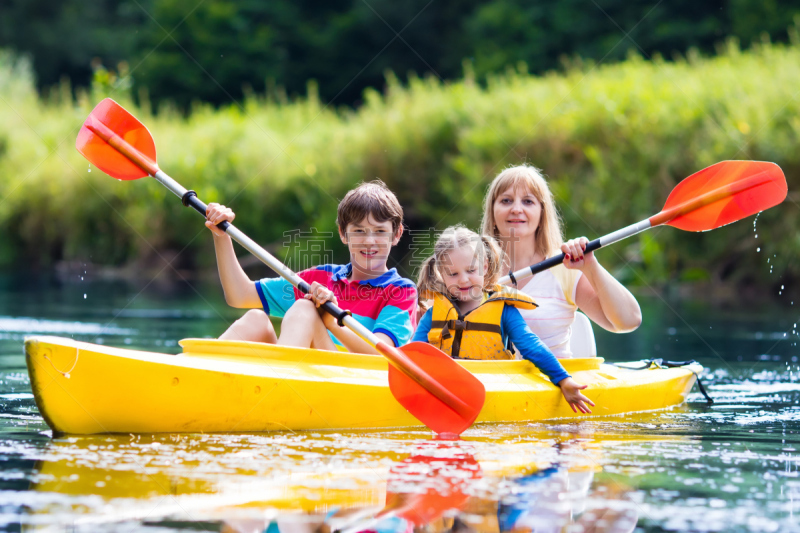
426	381
711	198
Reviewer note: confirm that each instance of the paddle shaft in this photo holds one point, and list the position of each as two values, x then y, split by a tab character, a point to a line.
556	260
190	199
658	219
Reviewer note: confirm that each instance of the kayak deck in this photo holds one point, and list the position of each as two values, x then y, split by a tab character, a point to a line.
235	386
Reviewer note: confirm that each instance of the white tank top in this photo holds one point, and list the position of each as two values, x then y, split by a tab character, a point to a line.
552	320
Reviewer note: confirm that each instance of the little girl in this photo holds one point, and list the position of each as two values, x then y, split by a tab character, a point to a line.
472	317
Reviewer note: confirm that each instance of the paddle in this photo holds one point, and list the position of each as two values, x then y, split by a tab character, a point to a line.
711	198
424	486
427	382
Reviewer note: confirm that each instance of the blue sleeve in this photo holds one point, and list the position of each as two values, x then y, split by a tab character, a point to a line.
395	323
424	326
530	346
277	295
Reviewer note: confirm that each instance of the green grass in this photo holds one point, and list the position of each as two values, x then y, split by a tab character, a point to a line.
613	140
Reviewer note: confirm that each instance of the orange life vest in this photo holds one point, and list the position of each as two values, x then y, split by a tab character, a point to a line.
476	334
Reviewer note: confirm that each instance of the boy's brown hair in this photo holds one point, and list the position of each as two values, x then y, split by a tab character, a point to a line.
371	198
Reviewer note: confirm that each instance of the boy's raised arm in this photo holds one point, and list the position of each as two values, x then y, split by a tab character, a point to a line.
239	289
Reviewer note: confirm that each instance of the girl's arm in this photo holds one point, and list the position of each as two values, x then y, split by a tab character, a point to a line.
239	290
535	351
424	327
529	345
598	294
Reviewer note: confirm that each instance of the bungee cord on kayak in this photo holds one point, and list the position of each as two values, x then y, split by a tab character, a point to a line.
66	374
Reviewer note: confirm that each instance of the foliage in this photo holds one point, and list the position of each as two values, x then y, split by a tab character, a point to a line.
614	140
218	50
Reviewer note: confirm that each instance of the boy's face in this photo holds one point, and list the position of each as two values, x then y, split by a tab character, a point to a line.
369	242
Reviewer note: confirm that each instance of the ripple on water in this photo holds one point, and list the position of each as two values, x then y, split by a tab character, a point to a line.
31	326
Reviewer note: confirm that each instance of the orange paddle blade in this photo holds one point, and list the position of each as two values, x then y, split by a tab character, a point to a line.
723	193
101	154
422	488
424	405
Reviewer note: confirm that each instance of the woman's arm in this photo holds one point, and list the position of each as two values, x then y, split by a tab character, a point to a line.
239	289
598	294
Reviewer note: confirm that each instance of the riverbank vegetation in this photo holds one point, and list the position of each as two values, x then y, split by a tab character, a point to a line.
213	51
613	140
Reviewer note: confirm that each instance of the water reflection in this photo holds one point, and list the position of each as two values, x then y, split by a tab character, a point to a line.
333	482
550	499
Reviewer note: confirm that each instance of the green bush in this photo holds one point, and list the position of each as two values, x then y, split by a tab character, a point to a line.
613	140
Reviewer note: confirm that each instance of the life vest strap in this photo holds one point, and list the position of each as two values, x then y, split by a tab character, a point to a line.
462	325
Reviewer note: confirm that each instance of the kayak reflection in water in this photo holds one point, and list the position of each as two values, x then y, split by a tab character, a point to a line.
439	488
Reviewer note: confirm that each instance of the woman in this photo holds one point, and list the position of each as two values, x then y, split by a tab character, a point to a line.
520	213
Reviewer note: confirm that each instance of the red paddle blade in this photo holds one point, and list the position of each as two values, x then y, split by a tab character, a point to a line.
426	407
723	193
438	485
103	155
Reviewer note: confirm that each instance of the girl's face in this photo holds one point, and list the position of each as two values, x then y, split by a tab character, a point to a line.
463	270
517	213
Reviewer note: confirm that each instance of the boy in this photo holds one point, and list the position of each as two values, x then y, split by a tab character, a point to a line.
370	222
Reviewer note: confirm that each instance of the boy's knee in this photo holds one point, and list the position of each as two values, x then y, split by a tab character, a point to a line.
303	308
254	314
256	317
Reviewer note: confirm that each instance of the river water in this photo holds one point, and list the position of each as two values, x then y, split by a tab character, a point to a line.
730	466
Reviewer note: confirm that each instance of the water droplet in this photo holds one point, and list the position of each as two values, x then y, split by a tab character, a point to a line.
756	235
90	169
758	249
781	287
84	296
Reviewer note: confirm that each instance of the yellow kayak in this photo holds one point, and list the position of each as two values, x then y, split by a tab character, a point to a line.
232	386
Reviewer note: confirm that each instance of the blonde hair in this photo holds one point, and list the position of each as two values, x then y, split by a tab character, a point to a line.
548	237
430	281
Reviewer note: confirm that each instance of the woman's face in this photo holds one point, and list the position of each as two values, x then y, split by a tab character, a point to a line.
517	214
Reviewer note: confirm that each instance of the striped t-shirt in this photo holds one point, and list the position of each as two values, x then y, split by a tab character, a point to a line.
386	304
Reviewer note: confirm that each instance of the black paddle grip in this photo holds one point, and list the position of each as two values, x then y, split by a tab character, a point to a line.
190	199
331	308
550	262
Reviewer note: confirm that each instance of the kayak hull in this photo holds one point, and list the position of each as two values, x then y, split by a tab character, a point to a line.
228	386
